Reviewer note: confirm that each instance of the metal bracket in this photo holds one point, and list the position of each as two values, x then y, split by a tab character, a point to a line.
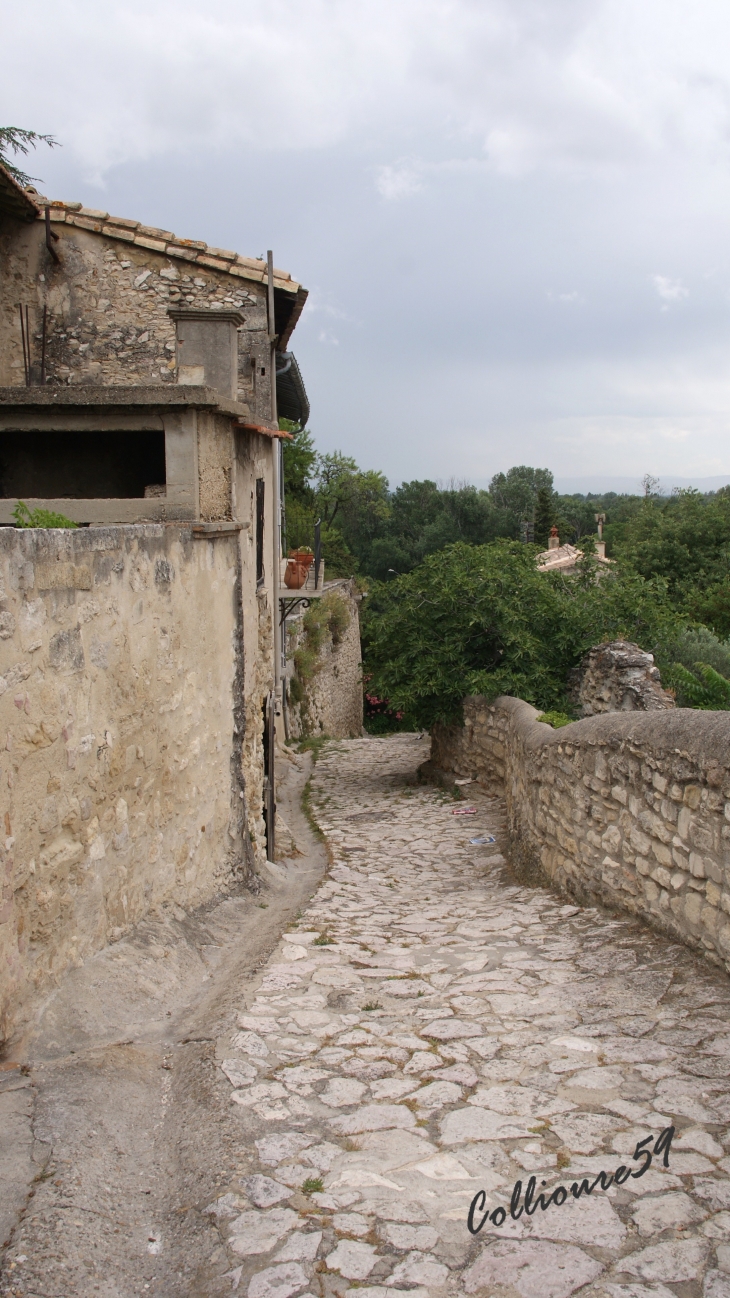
288	606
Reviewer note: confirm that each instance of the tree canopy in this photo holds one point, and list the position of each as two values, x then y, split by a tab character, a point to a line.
484	620
457	605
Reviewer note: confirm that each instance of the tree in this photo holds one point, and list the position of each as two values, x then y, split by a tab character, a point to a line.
18	140
483	620
350	504
516	491
299	460
684	538
544	516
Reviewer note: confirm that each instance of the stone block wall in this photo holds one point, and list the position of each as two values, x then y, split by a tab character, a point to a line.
631	810
333	701
121	780
108	301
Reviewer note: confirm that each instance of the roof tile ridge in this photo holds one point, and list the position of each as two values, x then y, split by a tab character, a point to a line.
193	251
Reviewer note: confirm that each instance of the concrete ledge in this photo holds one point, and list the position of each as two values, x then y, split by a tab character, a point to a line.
156	396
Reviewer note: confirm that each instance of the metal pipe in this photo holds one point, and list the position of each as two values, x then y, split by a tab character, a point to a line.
43	346
51	236
25	341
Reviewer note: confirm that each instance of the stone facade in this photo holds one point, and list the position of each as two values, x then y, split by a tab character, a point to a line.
333	699
632	811
108	300
122	781
618	677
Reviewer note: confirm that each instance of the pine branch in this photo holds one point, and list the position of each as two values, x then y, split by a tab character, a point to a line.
21	141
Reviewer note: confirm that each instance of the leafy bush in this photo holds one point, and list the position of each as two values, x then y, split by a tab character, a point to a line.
704	688
379	718
25	517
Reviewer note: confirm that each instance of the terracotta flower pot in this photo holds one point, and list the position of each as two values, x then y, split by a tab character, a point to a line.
303	557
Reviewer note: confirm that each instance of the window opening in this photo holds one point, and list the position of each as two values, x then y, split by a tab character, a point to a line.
88	465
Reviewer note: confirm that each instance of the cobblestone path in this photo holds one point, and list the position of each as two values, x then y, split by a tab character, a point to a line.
429	1029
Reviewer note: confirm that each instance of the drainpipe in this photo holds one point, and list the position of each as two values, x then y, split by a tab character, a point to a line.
275	465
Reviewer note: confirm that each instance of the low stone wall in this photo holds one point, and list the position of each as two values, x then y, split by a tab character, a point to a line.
333	700
121	779
632	810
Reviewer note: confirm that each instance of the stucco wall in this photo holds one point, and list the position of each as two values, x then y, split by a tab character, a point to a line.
632	810
333	701
120	731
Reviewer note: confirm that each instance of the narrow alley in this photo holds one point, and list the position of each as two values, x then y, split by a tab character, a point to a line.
425	1029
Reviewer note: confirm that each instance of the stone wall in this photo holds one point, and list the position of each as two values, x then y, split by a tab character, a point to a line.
121	733
629	810
333	699
108	301
617	677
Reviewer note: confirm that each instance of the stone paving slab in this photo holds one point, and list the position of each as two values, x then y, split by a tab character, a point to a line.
429	1029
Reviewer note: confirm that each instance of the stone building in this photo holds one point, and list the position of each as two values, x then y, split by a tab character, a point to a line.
140	653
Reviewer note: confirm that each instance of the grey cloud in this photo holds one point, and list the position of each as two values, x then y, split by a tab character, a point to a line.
493	202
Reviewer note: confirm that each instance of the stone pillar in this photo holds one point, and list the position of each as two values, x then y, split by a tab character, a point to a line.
207	349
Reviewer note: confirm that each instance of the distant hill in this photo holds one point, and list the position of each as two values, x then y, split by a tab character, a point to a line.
598	484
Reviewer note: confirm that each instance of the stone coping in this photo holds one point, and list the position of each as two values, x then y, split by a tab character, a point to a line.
704	735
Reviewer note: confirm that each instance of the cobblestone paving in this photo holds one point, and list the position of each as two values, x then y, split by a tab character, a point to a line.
428	1030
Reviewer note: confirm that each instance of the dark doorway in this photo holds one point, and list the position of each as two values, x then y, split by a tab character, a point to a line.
269	718
80	466
260	484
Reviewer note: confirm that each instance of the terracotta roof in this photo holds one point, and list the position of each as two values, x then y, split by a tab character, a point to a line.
192	251
14	201
562	557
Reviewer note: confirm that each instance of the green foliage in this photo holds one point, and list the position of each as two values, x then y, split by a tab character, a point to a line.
704	688
313	1185
556	719
299	459
517	490
422	518
25	517
338	615
296	690
305	664
693	645
544	516
332	489
477	616
326	616
18	140
483	620
685	539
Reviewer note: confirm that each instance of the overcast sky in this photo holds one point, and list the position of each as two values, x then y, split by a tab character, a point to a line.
513	216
